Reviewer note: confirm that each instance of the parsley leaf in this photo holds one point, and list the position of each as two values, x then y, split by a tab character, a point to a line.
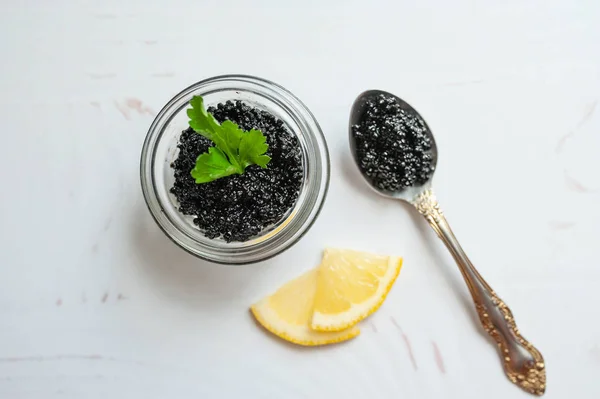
200	120
252	148
212	165
234	149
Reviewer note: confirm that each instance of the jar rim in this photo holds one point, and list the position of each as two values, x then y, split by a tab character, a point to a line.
291	228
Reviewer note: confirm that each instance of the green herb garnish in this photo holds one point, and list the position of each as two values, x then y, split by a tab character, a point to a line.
234	149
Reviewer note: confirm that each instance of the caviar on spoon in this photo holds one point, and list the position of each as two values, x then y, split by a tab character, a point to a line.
397	155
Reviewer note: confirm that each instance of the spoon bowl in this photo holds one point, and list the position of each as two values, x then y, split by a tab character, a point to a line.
522	362
407	194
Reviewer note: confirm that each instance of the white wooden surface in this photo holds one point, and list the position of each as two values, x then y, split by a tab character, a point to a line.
96	303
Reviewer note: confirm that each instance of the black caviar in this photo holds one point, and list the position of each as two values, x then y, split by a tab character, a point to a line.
393	146
238	207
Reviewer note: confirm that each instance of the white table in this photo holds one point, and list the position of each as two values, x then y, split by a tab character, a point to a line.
95	302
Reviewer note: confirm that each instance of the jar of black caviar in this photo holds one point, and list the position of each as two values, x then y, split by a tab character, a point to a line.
250	217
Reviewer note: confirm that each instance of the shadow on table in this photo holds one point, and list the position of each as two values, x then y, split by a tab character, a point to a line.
173	273
434	246
446	266
353	176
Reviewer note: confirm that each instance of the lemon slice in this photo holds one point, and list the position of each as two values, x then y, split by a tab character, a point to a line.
350	286
288	312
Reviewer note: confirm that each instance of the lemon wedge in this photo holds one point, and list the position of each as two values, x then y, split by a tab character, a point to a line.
350	286
288	313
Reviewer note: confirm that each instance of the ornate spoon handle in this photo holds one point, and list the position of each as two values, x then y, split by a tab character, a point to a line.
523	363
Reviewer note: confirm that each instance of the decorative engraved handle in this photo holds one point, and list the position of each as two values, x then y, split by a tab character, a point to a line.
523	363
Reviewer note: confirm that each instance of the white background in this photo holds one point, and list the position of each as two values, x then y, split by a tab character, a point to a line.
95	302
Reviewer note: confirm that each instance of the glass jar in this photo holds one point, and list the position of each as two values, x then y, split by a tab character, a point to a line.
160	150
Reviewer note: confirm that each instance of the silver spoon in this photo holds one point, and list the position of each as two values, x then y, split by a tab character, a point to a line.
523	363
